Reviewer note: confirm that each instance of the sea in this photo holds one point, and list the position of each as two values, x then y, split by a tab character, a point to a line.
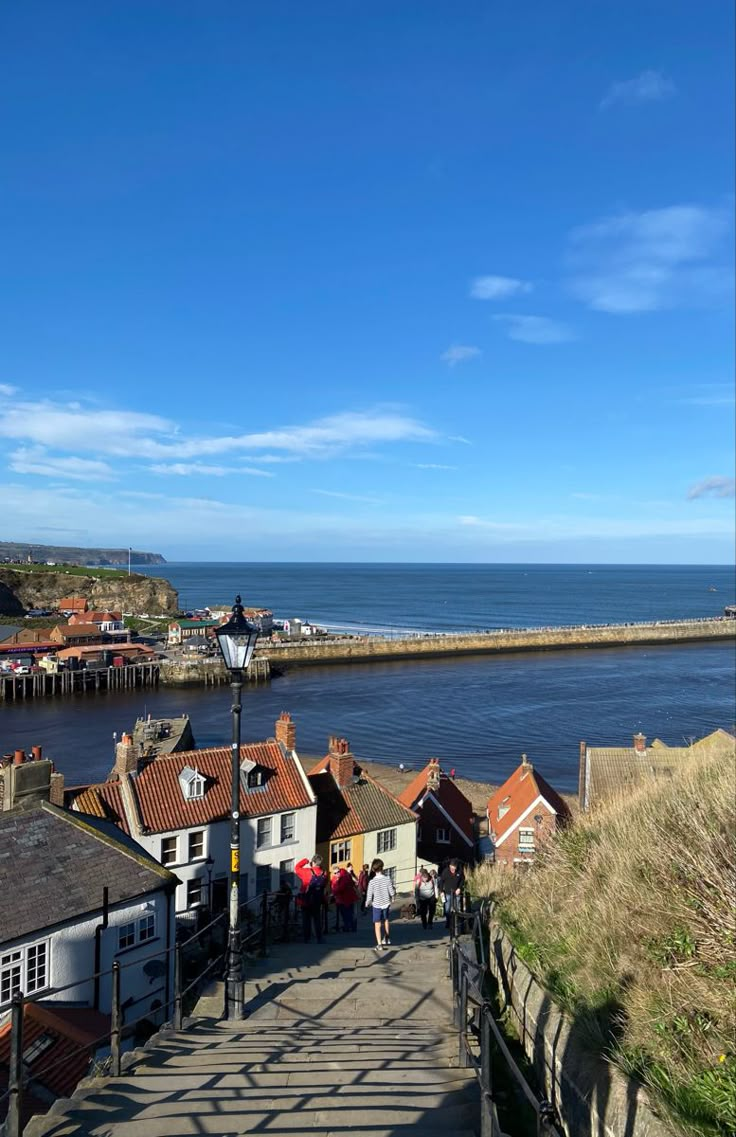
476	714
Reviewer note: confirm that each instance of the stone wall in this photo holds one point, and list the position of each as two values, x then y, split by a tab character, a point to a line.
489	643
592	1098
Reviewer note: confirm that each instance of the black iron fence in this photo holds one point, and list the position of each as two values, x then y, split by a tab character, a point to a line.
479	1036
197	958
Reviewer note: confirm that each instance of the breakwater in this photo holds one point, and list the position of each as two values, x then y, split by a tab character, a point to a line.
364	649
209	672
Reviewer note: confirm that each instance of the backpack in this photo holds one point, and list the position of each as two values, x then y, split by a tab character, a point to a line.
315	891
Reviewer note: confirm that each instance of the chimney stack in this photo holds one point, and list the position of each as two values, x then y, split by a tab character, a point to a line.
285	732
56	791
126	760
526	766
433	774
342	762
640	743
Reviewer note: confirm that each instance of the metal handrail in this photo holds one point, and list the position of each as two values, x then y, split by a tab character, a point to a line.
466	993
118	1029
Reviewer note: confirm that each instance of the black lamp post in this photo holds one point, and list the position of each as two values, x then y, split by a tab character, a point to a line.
236	640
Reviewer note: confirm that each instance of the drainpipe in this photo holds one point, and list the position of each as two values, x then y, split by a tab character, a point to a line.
98	947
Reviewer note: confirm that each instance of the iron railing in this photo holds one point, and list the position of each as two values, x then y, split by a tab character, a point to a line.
479	1036
206	946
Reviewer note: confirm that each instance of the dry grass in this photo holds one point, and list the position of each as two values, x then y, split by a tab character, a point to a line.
630	914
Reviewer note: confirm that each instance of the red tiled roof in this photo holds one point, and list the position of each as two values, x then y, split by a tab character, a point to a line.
449	796
76	603
73	1033
364	806
163	807
518	792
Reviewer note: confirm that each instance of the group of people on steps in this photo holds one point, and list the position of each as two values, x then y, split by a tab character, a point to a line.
374	890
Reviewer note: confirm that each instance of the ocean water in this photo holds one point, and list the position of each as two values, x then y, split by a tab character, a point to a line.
477	714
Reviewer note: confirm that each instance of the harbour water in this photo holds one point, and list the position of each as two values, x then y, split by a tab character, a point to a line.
478	714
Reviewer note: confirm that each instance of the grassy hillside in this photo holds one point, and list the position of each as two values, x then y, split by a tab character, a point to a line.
628	917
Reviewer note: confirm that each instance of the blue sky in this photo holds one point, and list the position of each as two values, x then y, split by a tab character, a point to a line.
369	281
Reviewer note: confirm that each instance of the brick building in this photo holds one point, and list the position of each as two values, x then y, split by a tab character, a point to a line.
522	813
445	826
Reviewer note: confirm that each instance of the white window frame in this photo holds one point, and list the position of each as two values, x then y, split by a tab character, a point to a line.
193	834
17	967
147	927
340	851
386	841
127	932
198	883
164	860
266	842
526	840
391	874
442	835
288	817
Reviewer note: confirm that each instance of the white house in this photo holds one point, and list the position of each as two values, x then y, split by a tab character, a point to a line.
77	894
177	807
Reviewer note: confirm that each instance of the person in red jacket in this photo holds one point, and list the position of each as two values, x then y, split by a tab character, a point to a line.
346	896
311	898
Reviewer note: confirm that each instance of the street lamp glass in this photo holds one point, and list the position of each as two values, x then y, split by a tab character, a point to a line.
236	639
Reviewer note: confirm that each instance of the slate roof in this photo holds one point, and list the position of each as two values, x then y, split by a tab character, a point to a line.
53	864
614	769
363	807
162	806
518	792
448	795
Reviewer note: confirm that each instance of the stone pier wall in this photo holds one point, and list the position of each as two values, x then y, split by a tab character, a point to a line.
364	649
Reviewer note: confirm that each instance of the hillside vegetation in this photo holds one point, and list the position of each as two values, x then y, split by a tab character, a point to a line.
628	919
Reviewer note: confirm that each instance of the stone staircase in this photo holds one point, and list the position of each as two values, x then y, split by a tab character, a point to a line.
338	1040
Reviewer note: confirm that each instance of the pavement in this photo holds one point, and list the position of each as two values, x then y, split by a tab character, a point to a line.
338	1040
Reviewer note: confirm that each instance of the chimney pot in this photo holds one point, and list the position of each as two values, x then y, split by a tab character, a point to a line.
19	757
36	751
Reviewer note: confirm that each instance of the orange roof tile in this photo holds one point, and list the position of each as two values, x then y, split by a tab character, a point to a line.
364	806
163	807
518	793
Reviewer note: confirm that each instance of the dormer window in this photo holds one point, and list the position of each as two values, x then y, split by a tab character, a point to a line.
251	775
192	784
503	808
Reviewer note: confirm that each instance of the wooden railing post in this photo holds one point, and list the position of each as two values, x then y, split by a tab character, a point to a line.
15	1070
115	1021
177	987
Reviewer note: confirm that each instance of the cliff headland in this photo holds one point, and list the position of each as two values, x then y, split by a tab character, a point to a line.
71	555
22	588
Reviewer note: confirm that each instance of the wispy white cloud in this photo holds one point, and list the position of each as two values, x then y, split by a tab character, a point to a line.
459	353
710	395
716	486
659	258
7	390
498	287
35	460
433	466
647	87
187	469
535	329
348	496
459	438
562	528
129	434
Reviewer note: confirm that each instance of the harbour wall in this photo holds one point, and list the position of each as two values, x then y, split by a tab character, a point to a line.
372	648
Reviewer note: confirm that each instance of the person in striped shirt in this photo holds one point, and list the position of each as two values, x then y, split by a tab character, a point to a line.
379	896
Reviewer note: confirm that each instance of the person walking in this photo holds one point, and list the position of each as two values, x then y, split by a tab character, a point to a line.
345	895
426	898
451	883
363	886
379	896
312	895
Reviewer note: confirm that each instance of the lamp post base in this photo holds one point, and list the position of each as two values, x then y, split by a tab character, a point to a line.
234	1011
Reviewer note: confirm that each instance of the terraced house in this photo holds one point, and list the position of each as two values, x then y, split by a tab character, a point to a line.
358	819
177	806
